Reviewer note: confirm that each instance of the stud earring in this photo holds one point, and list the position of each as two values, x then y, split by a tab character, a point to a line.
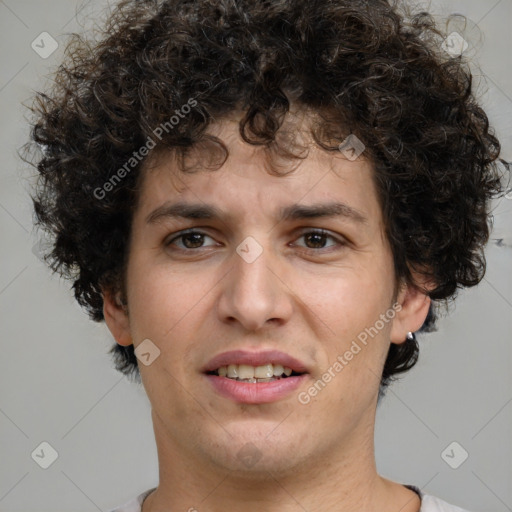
410	336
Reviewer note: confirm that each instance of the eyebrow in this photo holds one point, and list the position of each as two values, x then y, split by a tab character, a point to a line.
291	212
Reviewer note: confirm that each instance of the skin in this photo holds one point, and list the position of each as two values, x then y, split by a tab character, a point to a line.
309	297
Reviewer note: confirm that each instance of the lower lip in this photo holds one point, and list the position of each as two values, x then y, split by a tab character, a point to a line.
257	392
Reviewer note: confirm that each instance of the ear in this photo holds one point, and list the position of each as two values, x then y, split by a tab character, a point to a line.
116	318
414	306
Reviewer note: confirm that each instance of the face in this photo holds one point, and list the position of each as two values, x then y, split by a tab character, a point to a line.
296	291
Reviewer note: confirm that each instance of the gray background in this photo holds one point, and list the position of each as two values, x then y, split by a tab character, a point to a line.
57	384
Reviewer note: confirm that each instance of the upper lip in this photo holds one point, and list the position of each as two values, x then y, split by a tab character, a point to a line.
255	359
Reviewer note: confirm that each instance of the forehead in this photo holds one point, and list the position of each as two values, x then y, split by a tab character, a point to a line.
242	187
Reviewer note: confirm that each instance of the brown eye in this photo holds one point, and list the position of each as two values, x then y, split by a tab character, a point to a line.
190	240
316	239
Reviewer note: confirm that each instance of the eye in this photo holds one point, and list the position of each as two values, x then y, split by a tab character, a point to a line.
317	238
191	239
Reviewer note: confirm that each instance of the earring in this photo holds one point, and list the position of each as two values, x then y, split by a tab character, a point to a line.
411	336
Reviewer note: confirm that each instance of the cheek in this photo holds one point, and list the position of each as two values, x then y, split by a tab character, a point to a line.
350	329
161	301
349	302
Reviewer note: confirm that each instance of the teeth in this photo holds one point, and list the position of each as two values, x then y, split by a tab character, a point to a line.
246	372
264	373
278	370
233	371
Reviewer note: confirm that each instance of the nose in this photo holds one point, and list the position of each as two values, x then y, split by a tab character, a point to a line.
255	293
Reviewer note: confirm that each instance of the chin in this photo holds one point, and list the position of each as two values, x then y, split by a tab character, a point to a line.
254	452
251	463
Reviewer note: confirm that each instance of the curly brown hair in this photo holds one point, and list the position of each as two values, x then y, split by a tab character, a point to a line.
366	67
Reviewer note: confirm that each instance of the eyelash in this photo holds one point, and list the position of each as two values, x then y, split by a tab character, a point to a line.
310	231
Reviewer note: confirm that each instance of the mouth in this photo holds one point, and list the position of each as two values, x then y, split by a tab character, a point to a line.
255	377
253	374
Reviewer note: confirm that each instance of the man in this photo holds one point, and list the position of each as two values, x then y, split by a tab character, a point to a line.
263	200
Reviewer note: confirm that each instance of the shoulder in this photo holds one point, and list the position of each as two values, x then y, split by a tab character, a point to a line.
134	505
432	504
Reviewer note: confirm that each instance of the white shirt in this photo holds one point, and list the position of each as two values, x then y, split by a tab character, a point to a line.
428	503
